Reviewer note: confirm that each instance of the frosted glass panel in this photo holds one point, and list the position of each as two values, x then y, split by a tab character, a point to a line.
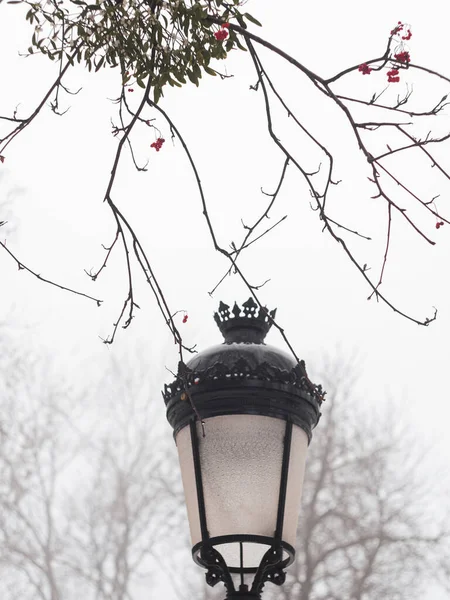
184	446
241	459
241	466
299	447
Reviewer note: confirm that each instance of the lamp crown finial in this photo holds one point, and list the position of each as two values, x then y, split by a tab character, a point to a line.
249	324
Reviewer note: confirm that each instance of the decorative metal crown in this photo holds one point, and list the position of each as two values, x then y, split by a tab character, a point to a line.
244	325
242	371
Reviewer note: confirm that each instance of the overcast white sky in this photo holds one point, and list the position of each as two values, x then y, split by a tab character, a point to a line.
57	173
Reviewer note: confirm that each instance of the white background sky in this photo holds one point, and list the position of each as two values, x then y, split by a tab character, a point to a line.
56	174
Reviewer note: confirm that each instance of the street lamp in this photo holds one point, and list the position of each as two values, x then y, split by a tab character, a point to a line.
242	465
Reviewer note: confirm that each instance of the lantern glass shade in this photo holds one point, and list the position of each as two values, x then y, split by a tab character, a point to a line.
240	459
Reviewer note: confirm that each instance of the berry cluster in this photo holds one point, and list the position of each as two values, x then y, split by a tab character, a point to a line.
158	144
393	76
439	224
403	57
364	69
2	159
185	318
402	27
222	34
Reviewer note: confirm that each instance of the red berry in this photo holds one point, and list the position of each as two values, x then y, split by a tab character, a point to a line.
364	69
221	35
158	144
403	57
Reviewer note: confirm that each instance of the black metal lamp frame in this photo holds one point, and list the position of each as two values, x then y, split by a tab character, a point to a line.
244	376
272	564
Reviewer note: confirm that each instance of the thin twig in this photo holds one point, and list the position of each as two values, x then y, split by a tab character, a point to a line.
23	267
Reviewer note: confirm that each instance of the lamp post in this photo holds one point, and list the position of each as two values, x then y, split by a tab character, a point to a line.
242	466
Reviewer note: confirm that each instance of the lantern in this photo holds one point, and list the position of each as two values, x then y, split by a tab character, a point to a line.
243	463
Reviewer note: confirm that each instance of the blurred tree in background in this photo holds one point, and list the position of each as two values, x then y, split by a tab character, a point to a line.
370	526
89	496
91	502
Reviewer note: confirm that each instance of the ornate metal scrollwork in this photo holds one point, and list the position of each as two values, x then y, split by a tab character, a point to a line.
270	570
217	569
241	369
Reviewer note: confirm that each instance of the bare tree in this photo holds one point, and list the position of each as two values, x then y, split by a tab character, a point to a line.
372	521
88	492
34	453
130	505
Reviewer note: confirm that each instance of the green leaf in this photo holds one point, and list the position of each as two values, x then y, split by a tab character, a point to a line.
249	17
99	64
179	76
239	45
192	77
186	26
197	71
